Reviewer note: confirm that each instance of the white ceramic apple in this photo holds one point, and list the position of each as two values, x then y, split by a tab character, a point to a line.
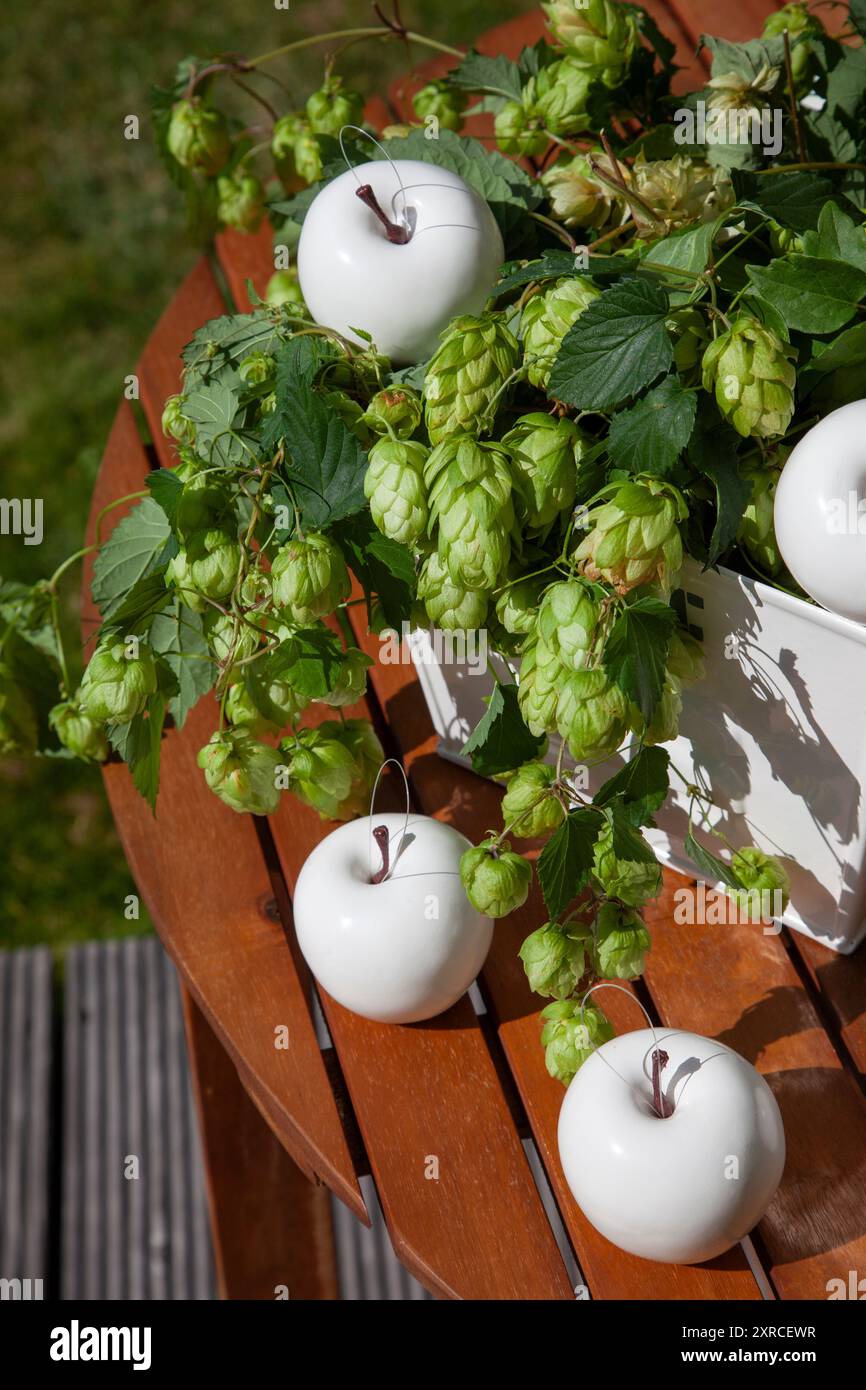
680	1189
439	256
400	950
820	512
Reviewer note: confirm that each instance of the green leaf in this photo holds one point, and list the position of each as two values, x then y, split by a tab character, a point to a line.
178	638
309	660
812	295
715	869
146	597
500	740
213	409
325	464
565	863
650	436
480	73
793	200
640	787
627	842
165	487
744	59
848	350
685	250
837	238
219	344
732	498
131	552
384	568
139	743
618	346
635	653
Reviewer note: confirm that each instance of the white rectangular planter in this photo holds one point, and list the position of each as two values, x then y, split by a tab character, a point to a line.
776	732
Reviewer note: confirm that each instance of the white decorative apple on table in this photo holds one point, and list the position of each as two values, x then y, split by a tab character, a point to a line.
672	1144
395	940
819	513
397	248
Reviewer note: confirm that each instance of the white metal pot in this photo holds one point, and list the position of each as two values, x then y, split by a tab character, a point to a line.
776	731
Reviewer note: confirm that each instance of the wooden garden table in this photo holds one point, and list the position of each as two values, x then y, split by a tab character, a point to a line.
462	1088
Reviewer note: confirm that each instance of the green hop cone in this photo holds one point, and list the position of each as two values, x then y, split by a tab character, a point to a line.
19	730
621	942
465	373
556	958
517	605
633	882
394	487
577	196
360	371
678	192
307	155
359	737
601	34
567	622
175	425
332	107
309	577
801	25
765	885
665	723
206	568
396	409
546	319
685	661
496	880
243	772
757	533
286	133
544	453
351	682
227	637
322	771
78	732
591	714
752	375
530	807
198	137
520	130
203	506
284	288
688	329
541	673
240	202
469	484
115	686
559	95
569	1039
449	605
634	537
443	101
263	708
257	369
784	239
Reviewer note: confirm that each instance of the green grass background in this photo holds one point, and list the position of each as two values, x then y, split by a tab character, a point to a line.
92	245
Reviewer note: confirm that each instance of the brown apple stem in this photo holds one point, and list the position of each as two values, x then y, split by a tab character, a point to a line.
380	835
663	1107
394	231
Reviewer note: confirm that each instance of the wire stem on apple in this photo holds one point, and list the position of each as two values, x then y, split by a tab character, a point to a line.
380	835
394	231
663	1107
